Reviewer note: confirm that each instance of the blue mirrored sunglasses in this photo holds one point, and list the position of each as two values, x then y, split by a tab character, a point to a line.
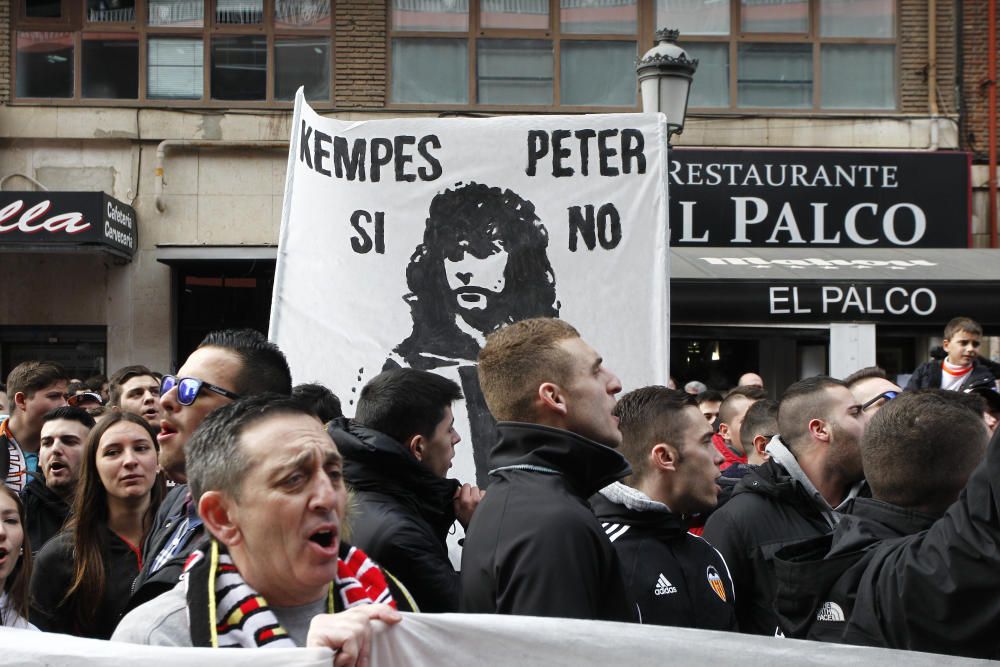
887	395
189	388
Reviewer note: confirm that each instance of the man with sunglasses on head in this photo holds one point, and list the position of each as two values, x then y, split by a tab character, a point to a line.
226	366
801	492
871	388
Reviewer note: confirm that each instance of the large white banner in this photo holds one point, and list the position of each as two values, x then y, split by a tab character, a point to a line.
485	639
405	241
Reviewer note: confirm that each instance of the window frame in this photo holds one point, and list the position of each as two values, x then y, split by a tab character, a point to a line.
74	21
813	37
643	38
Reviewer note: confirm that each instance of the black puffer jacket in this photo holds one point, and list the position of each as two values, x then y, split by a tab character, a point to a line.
403	514
534	546
768	510
46	512
53	575
674	577
900	579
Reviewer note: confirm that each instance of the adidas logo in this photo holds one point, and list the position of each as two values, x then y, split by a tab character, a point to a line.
663	586
830	611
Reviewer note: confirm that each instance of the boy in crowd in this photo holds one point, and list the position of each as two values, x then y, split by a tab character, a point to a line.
961	367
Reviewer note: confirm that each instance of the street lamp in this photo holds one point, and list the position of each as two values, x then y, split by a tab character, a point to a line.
665	74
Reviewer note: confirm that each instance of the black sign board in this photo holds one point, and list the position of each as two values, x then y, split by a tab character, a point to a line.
802	302
51	219
810	199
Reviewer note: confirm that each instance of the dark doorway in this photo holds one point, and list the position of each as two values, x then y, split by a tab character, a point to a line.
719	355
220	295
82	350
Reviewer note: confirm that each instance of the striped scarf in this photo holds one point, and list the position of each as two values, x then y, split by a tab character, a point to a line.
225	612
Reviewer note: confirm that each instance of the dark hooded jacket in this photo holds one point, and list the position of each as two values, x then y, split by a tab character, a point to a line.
402	515
175	508
769	509
674	577
534	546
46	512
900	579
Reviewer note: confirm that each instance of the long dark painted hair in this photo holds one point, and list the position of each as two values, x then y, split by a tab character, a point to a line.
90	516
479	215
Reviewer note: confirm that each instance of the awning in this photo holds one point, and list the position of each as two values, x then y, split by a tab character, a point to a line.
67	221
794	286
180	254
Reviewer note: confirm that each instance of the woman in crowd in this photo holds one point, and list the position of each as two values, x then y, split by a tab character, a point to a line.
83	576
15	562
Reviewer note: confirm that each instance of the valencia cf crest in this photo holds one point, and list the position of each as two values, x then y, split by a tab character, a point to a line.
715	581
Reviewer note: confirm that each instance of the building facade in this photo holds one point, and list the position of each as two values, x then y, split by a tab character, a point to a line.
180	109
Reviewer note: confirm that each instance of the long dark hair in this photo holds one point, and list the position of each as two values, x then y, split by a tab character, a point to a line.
478	215
90	516
16	585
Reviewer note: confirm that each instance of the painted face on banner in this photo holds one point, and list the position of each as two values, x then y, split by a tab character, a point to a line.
476	277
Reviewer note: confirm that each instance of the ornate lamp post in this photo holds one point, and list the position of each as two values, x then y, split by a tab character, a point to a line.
665	73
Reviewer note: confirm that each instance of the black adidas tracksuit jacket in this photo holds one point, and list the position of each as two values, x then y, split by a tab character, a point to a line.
675	578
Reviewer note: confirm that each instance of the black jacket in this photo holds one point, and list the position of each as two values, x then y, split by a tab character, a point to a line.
768	510
674	577
402	514
46	512
900	579
53	575
928	375
534	546
148	584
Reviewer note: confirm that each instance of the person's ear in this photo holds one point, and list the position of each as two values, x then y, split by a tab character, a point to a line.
760	445
416	446
20	400
216	511
819	429
551	397
664	457
724	431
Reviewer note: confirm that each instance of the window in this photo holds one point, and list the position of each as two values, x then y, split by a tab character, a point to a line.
516	53
788	54
229	52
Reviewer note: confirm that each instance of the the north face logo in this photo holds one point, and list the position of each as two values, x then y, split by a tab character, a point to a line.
830	611
663	586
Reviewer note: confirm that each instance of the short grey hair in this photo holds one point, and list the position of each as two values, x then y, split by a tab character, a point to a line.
216	460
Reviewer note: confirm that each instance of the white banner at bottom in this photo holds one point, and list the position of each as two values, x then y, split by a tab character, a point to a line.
498	641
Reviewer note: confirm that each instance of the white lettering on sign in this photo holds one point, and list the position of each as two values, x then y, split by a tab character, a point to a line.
829	264
779	295
862	223
31	220
854	300
118	215
117	235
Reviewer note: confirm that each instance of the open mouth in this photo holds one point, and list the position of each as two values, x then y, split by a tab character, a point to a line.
324	538
56	466
3	553
166	428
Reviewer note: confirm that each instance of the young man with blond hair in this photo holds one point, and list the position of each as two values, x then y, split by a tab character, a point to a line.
534	547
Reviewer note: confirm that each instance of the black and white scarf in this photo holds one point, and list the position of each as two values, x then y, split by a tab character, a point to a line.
226	612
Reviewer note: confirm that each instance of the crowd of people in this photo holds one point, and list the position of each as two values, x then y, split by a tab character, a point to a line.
222	506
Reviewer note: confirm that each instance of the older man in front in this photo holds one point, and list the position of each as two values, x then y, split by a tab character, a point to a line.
269	486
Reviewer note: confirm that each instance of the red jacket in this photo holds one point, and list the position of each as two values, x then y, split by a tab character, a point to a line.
729	456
